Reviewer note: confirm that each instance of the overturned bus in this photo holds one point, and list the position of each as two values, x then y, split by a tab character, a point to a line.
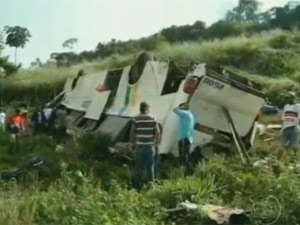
225	105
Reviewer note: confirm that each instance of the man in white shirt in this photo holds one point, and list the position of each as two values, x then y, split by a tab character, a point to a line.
2	120
289	133
47	111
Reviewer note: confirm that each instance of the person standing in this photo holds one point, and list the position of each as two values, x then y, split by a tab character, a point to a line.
289	133
16	127
185	135
38	120
60	123
144	135
156	156
2	120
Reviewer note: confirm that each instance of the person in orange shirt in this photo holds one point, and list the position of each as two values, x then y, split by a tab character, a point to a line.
16	125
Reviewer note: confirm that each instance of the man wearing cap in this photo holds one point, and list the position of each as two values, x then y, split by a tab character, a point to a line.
144	136
289	133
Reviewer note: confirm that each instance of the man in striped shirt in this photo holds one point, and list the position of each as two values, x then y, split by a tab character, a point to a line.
144	135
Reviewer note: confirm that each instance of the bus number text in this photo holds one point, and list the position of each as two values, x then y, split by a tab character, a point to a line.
213	83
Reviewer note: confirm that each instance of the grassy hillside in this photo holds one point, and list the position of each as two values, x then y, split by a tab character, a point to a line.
105	197
80	198
272	58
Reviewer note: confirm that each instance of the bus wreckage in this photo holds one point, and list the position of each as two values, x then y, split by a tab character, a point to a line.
225	105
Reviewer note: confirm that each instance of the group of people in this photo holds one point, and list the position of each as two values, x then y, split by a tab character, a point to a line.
42	120
145	137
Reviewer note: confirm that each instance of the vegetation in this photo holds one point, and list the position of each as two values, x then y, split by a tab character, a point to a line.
86	186
257	44
275	55
17	37
94	188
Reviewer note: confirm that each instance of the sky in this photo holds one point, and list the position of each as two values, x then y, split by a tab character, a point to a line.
51	22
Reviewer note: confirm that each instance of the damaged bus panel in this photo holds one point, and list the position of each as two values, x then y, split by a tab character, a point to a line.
224	104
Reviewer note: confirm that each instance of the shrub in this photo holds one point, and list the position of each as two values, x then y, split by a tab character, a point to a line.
94	146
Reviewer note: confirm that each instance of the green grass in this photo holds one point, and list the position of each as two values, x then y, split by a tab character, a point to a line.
274	54
105	197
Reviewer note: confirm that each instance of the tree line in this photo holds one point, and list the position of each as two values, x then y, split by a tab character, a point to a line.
246	18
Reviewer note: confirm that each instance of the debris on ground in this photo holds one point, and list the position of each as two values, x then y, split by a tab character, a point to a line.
268	164
263	128
268	109
215	213
59	148
268	132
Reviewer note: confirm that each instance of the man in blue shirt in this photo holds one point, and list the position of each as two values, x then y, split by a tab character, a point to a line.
185	134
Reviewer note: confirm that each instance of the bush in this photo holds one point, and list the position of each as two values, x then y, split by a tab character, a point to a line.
94	146
78	198
101	191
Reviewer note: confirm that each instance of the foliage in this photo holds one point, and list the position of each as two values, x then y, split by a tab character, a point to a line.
17	36
69	43
274	54
8	67
78	196
244	19
1	42
95	187
245	11
94	146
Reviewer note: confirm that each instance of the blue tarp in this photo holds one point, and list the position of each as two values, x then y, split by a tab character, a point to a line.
269	109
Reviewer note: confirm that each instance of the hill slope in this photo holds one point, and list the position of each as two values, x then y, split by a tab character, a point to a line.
271	58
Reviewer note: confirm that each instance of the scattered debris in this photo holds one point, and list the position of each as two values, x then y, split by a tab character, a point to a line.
268	109
266	163
215	213
59	148
262	128
30	164
268	132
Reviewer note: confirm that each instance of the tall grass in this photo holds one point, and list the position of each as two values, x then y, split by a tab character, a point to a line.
273	54
86	191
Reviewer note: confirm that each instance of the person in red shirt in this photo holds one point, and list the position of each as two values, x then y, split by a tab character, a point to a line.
15	126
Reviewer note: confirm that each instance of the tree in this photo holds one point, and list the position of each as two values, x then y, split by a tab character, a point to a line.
69	43
247	10
67	59
1	42
37	62
16	37
53	55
